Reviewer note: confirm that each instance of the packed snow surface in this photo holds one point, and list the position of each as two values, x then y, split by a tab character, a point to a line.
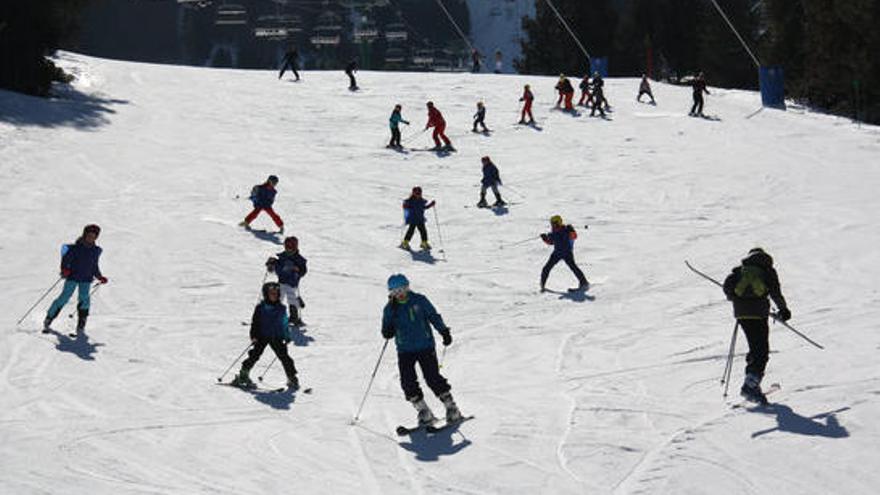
617	392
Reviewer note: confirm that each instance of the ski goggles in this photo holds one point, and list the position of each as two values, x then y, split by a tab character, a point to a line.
398	291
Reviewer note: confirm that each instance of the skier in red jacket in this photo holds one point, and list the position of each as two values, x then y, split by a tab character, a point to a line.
527	98
435	120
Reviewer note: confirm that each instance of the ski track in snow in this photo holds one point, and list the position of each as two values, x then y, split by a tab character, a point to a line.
616	393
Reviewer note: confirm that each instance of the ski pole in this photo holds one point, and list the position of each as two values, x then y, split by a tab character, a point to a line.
439	235
517	243
220	378
442	357
369	385
274	358
91	293
265	276
513	190
799	334
728	368
414	134
38	301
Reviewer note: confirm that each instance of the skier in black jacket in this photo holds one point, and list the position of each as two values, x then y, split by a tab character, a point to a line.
748	287
699	87
291	60
350	69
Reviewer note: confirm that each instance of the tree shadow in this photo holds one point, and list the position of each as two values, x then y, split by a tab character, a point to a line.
429	448
68	107
78	346
789	421
299	337
265	235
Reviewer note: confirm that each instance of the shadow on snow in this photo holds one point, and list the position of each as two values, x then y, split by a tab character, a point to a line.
265	235
68	107
79	346
299	338
576	296
429	448
789	421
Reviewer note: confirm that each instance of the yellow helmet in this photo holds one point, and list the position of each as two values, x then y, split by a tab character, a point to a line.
556	220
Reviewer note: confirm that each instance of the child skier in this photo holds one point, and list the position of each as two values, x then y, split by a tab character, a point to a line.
263	197
394	122
435	120
479	117
79	266
599	101
408	318
699	87
291	60
290	266
645	89
562	238
527	98
748	287
566	91
268	328
491	179
586	97
350	69
414	215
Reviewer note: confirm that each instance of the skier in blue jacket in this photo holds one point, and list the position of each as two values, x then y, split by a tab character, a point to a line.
263	197
562	238
268	328
79	266
290	266
408	318
394	122
414	215
491	179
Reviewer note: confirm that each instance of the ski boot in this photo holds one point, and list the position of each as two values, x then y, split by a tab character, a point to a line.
448	147
82	318
245	224
292	383
499	202
522	122
281	230
425	416
425	246
243	379
294	317
404	245
482	203
751	390
47	325
453	415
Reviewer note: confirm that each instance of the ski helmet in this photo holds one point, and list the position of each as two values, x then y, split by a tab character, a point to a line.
556	220
273	179
417	190
397	283
430	104
291	243
271	286
91	229
486	159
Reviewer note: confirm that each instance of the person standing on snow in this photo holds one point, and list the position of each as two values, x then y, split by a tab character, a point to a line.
408	318
79	266
586	97
435	120
263	197
699	87
394	122
475	61
562	238
491	179
527	98
291	60
350	69
480	117
599	100
748	287
645	89
566	91
414	215
268	328
499	62
290	266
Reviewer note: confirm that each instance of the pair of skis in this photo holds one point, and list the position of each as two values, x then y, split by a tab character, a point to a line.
403	431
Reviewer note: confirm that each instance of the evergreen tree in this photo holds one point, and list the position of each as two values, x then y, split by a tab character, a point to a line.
721	55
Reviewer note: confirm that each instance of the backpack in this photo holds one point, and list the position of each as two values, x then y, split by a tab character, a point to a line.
751	284
255	192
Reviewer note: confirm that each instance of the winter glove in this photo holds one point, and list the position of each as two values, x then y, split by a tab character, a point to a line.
431	204
783	314
66	272
102	279
302	304
388	333
447	337
545	238
270	264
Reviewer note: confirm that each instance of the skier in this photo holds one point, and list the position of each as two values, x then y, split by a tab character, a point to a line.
350	69
79	266
414	215
586	97
394	122
599	100
527	98
435	120
408	318
645	89
268	328
475	60
566	91
290	266
479	117
291	60
499	62
562	237
699	87
262	197
491	179
748	287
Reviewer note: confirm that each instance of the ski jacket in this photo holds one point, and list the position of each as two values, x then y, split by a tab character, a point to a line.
480	115
435	118
645	87
410	322
585	84
351	68
291	56
269	322
263	196
290	267
527	96
396	119
598	83
490	175
699	86
749	285
414	210
561	238
82	261
564	86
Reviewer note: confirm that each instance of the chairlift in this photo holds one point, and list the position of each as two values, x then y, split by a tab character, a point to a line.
442	65
293	23
270	27
396	31
231	15
395	56
366	31
327	32
423	57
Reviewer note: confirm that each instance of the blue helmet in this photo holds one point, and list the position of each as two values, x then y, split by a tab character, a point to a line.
397	281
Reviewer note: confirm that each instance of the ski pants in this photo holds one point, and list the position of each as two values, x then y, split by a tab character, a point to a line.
494	188
527	110
395	137
83	302
423	232
440	133
568	98
642	93
278	347
586	97
758	334
559	100
598	98
290	296
568	258
275	218
291	66
409	382
351	81
697	109
480	122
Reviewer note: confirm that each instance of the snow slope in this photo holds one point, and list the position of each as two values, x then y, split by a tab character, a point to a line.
618	393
